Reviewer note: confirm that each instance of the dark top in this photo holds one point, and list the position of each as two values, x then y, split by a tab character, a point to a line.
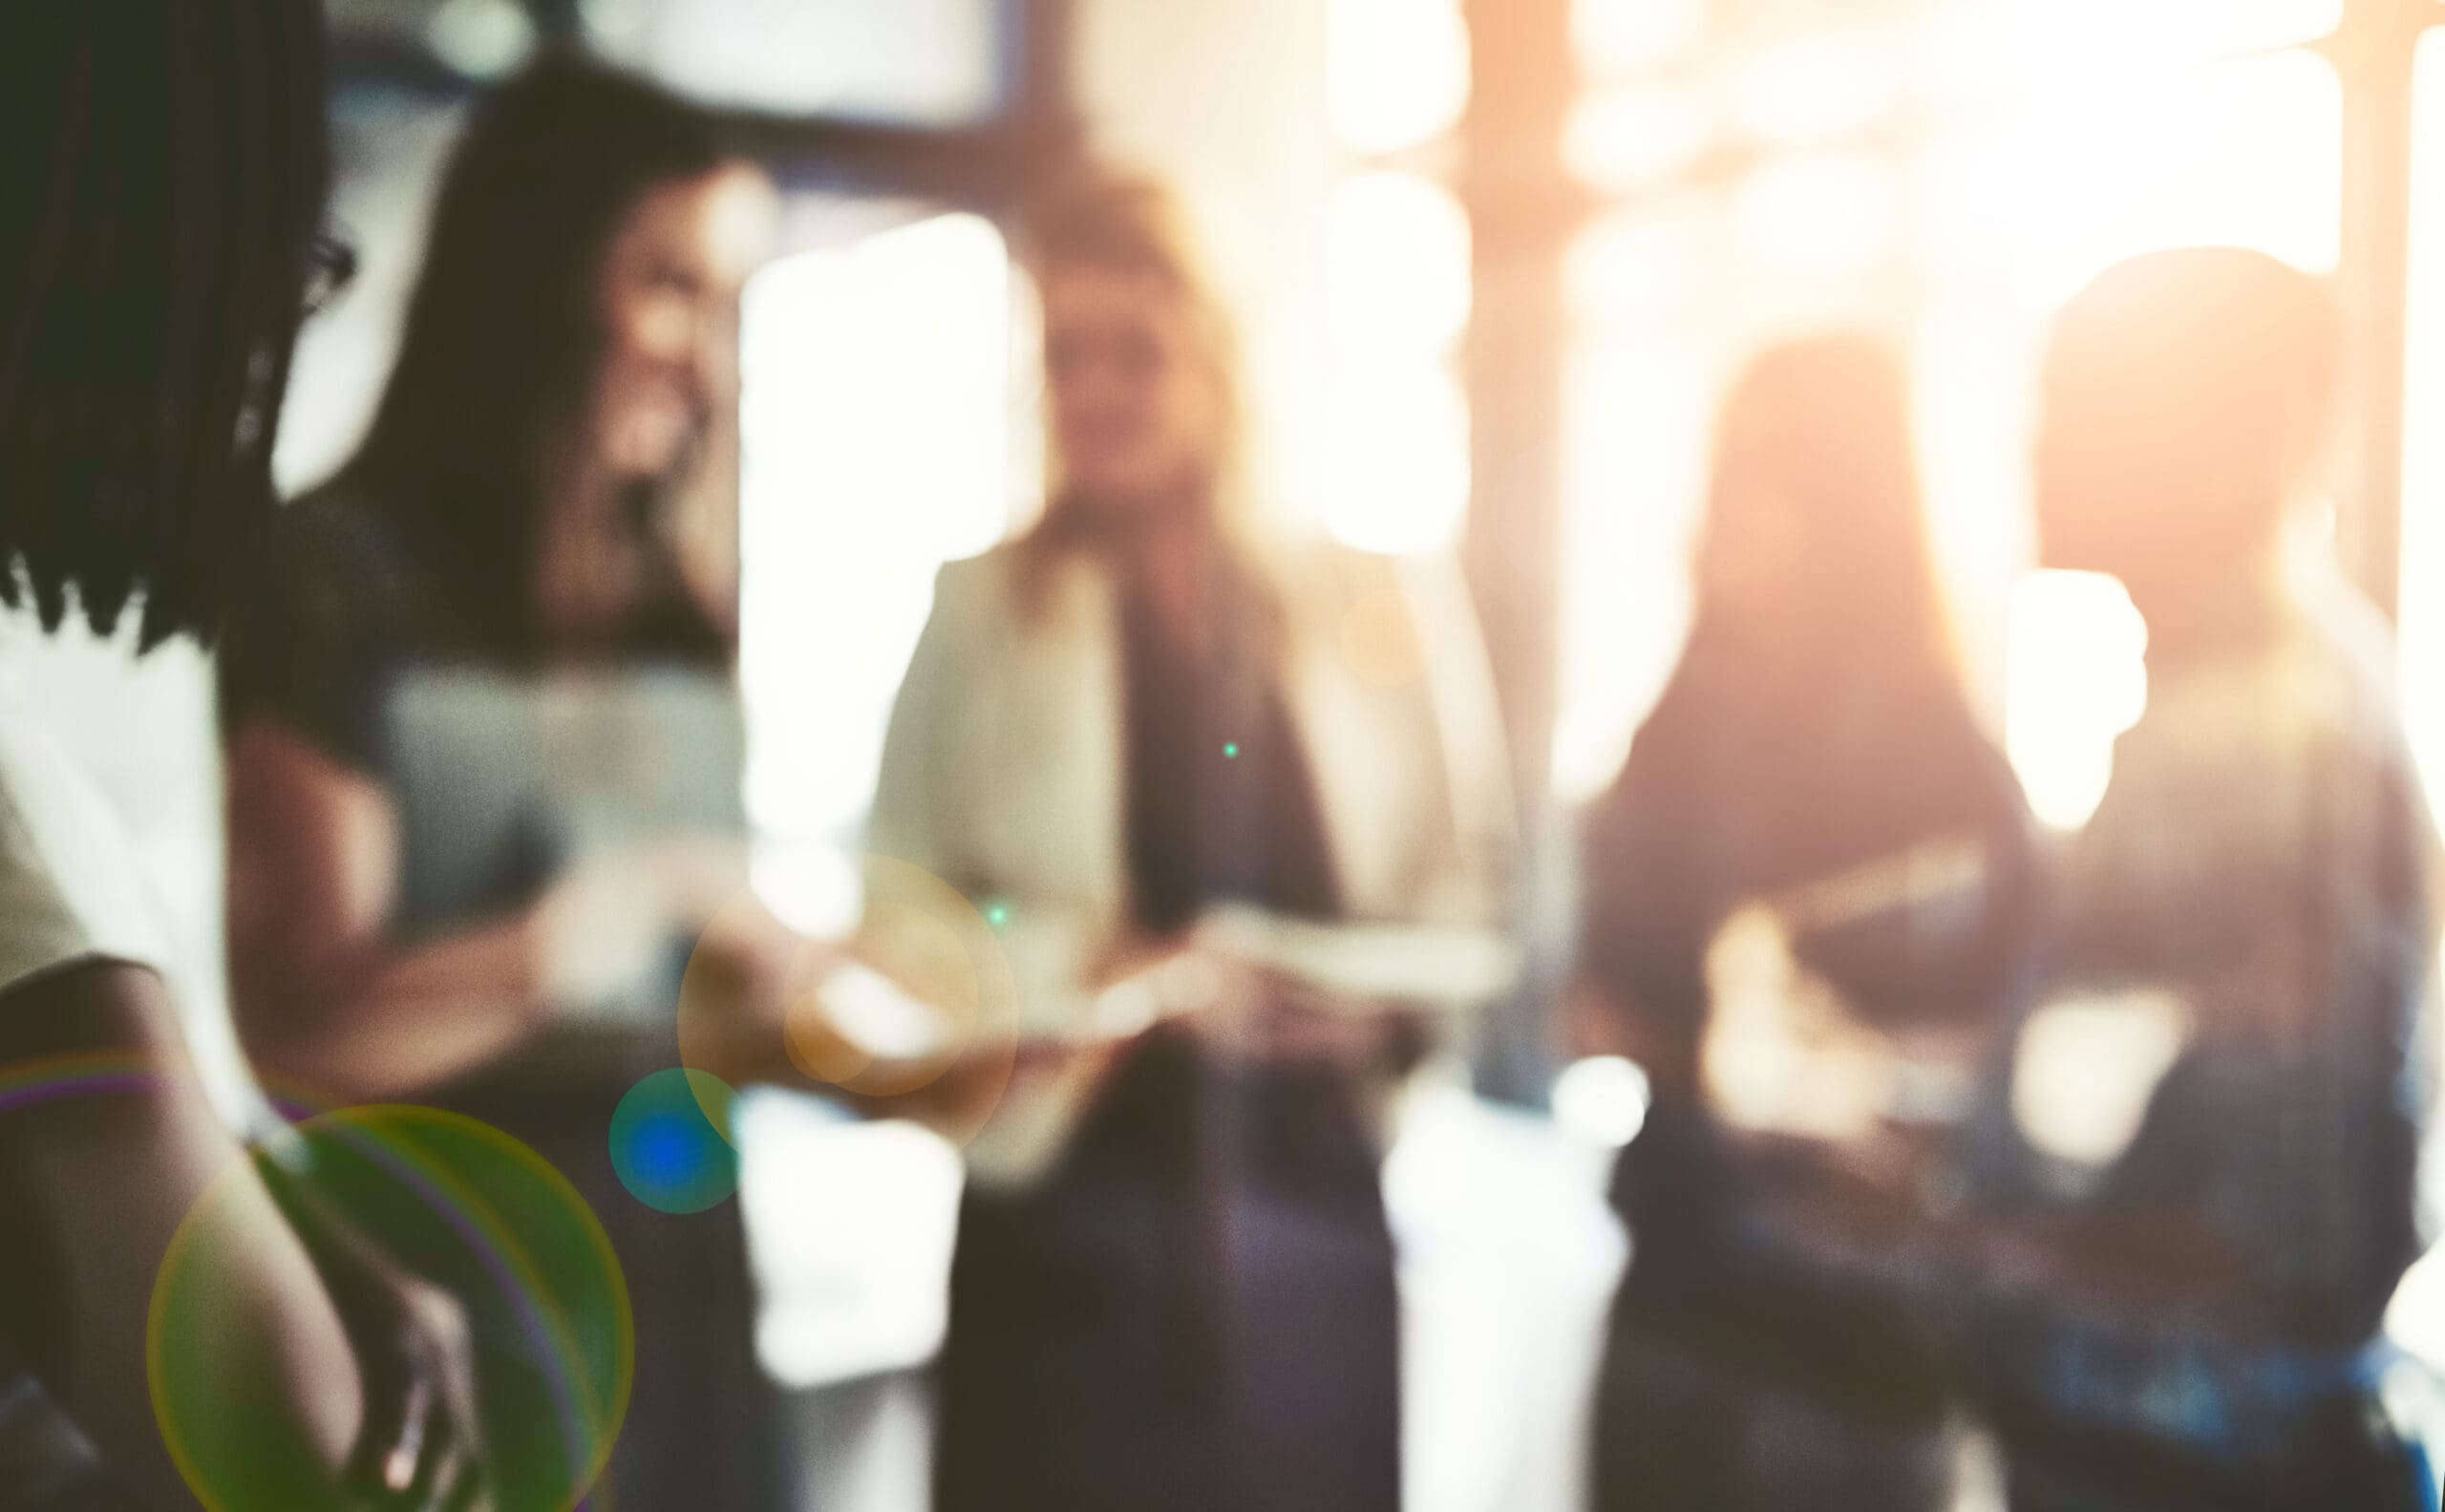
1729	796
2265	856
1197	1309
341	608
346	607
1221	805
346	602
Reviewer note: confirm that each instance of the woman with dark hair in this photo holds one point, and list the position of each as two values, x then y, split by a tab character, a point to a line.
1813	764
517	504
1254	796
161	176
521	519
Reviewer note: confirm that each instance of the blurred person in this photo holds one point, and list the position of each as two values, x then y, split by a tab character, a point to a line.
1218	781
1814	764
515	504
162	168
2191	1320
520	506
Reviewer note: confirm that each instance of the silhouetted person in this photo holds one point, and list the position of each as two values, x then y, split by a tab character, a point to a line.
1174	1280
2191	1323
161	178
1815	755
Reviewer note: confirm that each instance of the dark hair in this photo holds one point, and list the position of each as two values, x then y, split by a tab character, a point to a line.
162	165
1823	423
2190	364
503	336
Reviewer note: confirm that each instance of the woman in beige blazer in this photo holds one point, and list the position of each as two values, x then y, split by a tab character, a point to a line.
1239	813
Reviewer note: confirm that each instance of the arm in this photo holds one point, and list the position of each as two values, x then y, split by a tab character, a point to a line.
322	995
102	1183
325	996
2263	1214
1014	1093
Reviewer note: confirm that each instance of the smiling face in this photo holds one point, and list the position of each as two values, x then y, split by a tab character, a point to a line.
1136	404
669	300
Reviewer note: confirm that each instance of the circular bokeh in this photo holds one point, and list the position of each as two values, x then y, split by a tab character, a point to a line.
469	1210
672	1144
922	1000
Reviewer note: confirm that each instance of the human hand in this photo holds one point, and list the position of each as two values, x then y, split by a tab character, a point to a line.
608	924
420	1445
420	1449
1247	1009
1783	1055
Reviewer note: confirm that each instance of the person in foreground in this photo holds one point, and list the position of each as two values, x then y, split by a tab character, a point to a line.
161	176
2193	1320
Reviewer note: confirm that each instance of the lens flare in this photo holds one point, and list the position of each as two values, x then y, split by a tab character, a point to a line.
453	1201
921	999
673	1141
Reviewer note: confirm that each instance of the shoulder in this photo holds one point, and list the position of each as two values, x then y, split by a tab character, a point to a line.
69	885
334	542
986	579
335	601
977	598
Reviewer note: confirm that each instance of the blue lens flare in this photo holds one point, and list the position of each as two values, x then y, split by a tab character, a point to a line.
670	1142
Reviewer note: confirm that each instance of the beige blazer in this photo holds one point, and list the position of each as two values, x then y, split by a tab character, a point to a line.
1003	775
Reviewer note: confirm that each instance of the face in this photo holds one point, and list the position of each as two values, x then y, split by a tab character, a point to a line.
670	304
1134	415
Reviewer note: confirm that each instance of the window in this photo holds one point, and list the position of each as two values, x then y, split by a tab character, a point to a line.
896	62
1945	178
2423	541
1398	278
880	437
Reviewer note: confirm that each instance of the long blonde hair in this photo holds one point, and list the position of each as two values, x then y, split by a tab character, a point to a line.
1111	221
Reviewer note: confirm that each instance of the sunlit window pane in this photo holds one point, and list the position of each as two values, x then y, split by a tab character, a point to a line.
1398	72
1622	37
1638	418
1831	214
1999	52
2247	153
1643	270
876	441
918	62
1634	136
1399	265
1814	87
1974	364
2423	540
1400	468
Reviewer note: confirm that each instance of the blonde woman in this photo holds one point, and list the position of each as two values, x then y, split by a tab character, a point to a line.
1252	796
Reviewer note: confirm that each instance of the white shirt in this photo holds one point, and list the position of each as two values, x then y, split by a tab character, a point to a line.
71	890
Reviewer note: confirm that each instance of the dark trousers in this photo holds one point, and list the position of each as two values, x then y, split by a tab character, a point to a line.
2345	1457
1709	1406
702	1427
1195	1314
